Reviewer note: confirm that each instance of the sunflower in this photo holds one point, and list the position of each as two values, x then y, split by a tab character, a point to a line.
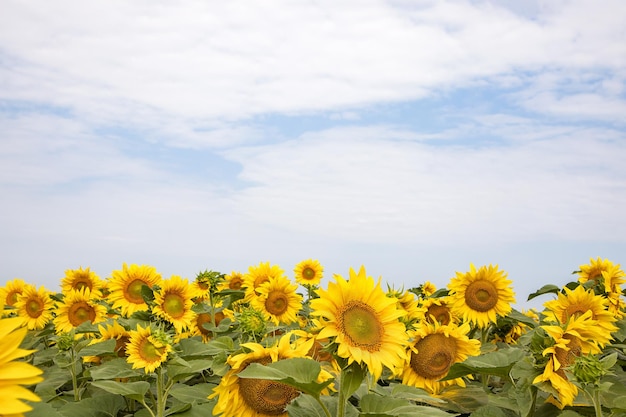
478	296
605	274
309	272
76	308
14	374
77	279
125	287
173	303
10	292
407	302
232	281
147	349
428	288
257	275
362	321
434	349
438	310
206	318
114	331
574	303
35	307
246	397
278	299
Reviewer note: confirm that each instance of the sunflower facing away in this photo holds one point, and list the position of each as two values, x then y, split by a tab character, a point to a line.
76	308
362	321
125	287
35	307
247	397
259	274
309	272
77	279
10	292
14	374
480	295
435	348
277	298
147	349
173	303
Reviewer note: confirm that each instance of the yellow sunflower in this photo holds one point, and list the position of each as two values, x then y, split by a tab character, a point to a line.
76	308
35	307
147	349
125	287
14	374
173	303
575	303
428	289
77	279
107	332
246	397
309	272
259	274
232	281
605	273
363	322
438	310
10	292
278	300
479	296
434	349
406	301
206	318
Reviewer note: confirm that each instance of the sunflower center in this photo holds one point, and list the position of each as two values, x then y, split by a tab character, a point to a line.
34	308
266	397
81	312
79	285
576	311
149	352
12	297
435	355
120	346
481	296
439	313
235	283
308	273
174	305
358	321
133	291
203	318
277	303
567	357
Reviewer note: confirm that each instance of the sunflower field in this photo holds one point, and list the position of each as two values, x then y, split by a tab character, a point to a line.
266	343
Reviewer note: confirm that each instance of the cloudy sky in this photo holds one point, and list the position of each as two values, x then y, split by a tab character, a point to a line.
411	136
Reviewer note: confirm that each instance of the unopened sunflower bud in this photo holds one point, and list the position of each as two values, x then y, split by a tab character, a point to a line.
588	369
252	321
65	341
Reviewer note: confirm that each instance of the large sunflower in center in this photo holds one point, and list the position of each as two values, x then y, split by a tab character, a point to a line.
77	307
363	322
125	287
147	349
173	303
480	295
278	300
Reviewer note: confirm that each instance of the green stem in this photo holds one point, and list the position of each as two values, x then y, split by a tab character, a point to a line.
321	403
73	374
161	394
341	404
595	398
145	406
484	337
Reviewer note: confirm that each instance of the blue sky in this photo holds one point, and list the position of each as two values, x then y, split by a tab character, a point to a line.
412	137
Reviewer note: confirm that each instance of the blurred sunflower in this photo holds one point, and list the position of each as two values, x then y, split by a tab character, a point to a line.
309	272
438	310
173	302
14	374
77	279
434	349
247	397
363	322
76	308
277	298
147	349
479	296
125	287
575	303
428	288
10	292
232	281
607	275
259	274
406	301
35	307
206	318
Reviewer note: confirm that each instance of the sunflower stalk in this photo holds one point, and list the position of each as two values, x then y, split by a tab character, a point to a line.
73	360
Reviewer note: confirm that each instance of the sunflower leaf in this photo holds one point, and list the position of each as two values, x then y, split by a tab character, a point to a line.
177	371
522	318
134	390
352	377
100	348
373	405
497	363
546	289
115	368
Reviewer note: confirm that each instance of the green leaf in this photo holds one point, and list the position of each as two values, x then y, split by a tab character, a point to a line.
106	405
134	390
546	289
198	410
351	379
300	373
43	409
497	363
192	367
188	394
489	411
115	368
193	347
373	405
407	392
100	348
306	406
464	400
522	318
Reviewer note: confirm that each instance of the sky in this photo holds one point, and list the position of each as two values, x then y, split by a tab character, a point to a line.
413	137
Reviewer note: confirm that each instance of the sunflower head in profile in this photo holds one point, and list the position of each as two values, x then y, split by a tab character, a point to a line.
15	375
438	310
147	348
362	321
77	307
173	303
606	276
110	331
407	302
480	295
575	303
77	279
259	274
246	397
232	281
10	293
434	349
278	300
309	272
125	287
35	307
